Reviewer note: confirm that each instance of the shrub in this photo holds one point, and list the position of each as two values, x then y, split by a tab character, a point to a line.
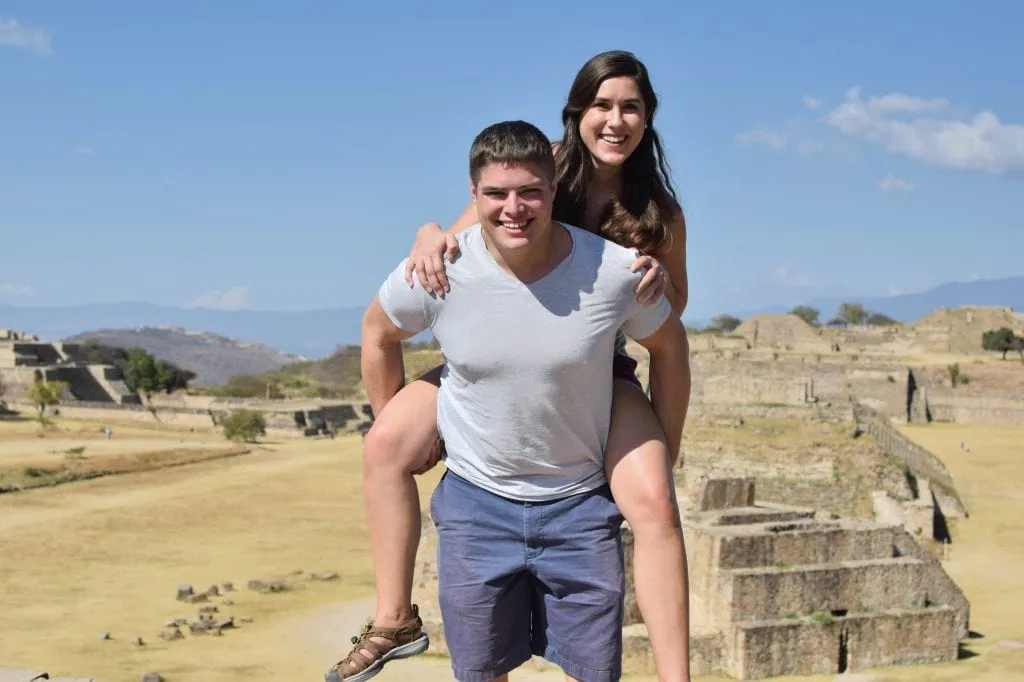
245	426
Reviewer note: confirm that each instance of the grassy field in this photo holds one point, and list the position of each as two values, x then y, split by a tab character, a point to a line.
107	555
34	455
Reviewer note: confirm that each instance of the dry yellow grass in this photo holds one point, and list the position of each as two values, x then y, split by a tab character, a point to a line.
106	555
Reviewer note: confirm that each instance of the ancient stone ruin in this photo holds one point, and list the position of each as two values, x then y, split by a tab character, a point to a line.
778	590
23	359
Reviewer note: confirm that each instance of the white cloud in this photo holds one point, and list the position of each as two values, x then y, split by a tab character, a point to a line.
812	102
15	290
14	34
235	298
796	140
893	184
981	144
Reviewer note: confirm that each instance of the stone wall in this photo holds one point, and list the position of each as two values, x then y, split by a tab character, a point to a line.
843	643
919	461
963	409
829	379
745	389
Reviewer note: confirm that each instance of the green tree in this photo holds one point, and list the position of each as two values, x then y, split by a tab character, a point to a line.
724	324
140	373
245	426
806	313
1002	340
45	394
956	377
880	320
852	313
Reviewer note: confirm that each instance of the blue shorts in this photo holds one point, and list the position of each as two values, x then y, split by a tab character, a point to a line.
518	579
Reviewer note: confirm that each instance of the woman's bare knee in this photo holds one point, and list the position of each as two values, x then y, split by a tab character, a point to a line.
637	462
403	434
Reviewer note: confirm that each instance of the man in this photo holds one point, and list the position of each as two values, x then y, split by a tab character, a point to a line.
529	552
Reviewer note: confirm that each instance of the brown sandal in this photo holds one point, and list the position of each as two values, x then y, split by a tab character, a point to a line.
407	640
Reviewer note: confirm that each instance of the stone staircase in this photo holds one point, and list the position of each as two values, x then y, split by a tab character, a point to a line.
782	591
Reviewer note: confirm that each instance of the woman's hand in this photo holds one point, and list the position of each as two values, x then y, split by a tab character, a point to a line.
433	457
426	259
652	285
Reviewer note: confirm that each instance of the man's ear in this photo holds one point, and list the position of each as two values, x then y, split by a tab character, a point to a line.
472	190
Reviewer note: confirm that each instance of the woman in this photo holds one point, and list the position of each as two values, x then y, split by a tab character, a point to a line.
612	180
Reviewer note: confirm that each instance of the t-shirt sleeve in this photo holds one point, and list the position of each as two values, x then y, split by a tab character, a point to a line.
643	321
411	309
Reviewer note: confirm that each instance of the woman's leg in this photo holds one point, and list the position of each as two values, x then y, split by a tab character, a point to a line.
396	446
640	474
401	442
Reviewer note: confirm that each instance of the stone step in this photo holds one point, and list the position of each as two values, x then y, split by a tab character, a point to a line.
803	542
706	651
827	644
739	516
772	592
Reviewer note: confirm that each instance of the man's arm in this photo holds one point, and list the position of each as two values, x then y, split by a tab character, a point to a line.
381	361
670	379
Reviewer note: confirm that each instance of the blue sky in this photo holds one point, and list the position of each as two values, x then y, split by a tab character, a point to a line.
277	155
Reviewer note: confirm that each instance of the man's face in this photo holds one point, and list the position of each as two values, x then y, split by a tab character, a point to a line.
514	204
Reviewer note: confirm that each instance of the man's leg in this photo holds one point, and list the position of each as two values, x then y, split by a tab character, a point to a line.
483	589
579	585
640	473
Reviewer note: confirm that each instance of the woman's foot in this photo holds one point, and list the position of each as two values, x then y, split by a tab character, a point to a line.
375	646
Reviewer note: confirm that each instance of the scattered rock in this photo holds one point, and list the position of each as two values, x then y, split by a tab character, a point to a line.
171	634
227	602
277	586
208	609
184	591
152	677
245	619
137	641
256	585
227	587
323	576
104	635
212	591
196	598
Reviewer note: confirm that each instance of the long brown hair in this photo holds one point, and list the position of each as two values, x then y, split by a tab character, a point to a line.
636	217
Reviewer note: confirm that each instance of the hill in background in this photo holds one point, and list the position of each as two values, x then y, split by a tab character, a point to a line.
214	358
336	376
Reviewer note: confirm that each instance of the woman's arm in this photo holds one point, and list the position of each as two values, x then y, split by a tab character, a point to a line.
433	247
673	256
666	269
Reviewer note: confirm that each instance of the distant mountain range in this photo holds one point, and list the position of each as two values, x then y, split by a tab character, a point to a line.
1008	292
213	358
311	333
316	333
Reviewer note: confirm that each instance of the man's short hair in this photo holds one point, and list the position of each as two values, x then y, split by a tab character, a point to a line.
511	142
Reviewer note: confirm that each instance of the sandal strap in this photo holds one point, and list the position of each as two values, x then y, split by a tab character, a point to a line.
357	661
